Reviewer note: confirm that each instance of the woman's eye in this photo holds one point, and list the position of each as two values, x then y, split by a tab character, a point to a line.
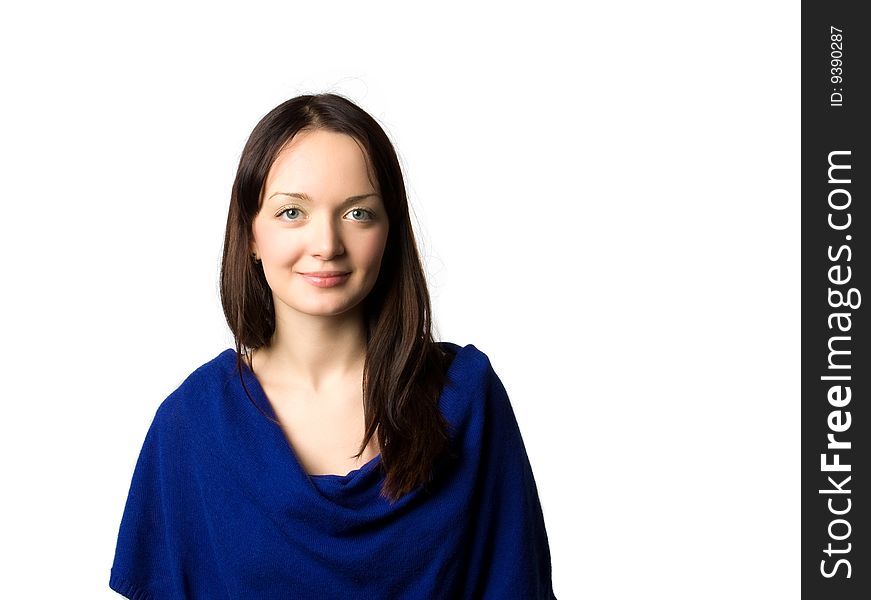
290	210
361	214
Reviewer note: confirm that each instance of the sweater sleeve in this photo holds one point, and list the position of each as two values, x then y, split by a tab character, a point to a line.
139	563
163	550
520	560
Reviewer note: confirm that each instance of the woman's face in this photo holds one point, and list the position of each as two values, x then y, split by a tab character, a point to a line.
320	213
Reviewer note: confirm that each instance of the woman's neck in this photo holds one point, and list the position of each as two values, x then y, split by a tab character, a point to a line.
314	352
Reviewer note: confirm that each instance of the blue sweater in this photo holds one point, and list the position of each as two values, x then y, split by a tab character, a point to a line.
220	507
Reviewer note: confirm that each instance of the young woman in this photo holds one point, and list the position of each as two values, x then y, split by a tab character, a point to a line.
338	451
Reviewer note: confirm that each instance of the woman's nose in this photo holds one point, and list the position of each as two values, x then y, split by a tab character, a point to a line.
326	239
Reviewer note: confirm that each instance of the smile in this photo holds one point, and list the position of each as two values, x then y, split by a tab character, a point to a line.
325	281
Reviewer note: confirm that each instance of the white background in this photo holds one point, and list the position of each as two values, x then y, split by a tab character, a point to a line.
607	200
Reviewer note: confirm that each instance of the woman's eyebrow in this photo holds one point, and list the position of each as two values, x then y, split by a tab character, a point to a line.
305	198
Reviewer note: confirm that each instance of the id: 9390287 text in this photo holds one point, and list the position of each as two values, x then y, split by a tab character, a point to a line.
837	70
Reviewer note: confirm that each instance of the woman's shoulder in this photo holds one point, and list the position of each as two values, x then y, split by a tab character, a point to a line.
469	378
200	387
473	393
466	358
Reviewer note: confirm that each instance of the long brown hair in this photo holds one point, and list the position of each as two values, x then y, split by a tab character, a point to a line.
404	369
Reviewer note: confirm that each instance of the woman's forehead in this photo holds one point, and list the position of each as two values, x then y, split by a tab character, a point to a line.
322	161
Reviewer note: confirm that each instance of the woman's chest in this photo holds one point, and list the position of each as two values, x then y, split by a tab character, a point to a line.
324	432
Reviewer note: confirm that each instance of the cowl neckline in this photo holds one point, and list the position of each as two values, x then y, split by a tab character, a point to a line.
275	473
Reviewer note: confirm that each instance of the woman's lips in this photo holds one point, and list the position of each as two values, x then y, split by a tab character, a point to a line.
325	280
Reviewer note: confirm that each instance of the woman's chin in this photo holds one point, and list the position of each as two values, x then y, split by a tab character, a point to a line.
325	309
